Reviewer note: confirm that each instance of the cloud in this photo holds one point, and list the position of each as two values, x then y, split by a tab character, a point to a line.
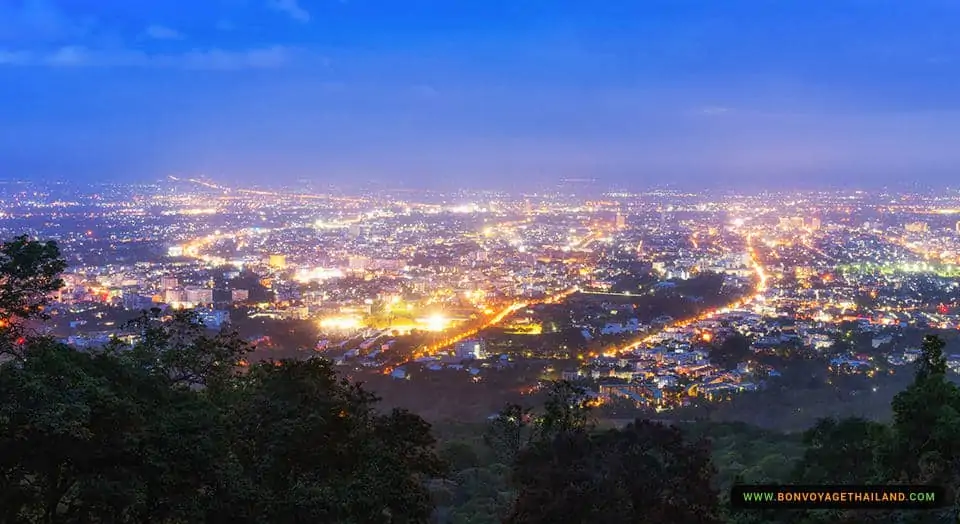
68	56
33	21
715	110
159	32
13	58
197	59
291	8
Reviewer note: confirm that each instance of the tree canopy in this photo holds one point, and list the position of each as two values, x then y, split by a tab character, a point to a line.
172	428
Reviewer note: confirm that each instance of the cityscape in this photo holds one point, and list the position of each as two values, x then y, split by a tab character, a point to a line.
479	262
633	294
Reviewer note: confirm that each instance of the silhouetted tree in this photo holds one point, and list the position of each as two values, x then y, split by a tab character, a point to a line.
173	429
645	473
844	451
733	350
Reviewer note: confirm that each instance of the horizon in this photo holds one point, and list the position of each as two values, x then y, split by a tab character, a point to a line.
576	188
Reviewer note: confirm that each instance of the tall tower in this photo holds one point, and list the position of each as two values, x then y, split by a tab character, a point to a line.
621	220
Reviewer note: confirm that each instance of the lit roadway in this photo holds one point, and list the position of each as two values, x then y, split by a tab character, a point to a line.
757	296
454	337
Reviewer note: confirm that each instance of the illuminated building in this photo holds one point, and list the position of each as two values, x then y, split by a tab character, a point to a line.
278	261
173	296
470	349
239	295
815	224
169	283
213	318
198	295
358	263
916	227
621	221
790	223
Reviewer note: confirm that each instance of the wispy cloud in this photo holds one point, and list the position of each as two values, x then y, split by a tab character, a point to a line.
715	110
13	58
197	59
32	21
161	32
292	8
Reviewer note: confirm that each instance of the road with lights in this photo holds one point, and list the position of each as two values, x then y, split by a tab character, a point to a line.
756	296
454	337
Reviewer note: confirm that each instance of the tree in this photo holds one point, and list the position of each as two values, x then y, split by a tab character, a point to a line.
459	455
926	420
510	432
29	273
931	364
87	437
843	452
733	350
565	410
182	350
645	473
327	455
171	430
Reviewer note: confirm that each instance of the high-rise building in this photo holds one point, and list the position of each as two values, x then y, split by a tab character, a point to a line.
958	227
621	221
815	224
916	227
169	283
173	296
239	295
278	261
199	295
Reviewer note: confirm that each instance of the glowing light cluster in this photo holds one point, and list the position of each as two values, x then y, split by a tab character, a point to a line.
436	322
344	323
318	274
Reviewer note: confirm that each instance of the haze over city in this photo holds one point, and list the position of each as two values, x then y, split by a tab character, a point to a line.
482	94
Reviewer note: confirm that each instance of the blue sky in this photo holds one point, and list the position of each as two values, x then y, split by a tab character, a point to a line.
493	93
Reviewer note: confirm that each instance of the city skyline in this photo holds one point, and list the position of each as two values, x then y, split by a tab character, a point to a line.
427	94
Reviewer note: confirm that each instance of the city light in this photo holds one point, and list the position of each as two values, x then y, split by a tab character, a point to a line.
344	323
435	322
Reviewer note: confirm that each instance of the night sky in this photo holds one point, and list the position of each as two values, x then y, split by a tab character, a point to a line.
483	93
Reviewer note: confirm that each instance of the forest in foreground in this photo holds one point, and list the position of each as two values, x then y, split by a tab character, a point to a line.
176	427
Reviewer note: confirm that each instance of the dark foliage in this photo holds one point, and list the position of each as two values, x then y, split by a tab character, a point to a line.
173	429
